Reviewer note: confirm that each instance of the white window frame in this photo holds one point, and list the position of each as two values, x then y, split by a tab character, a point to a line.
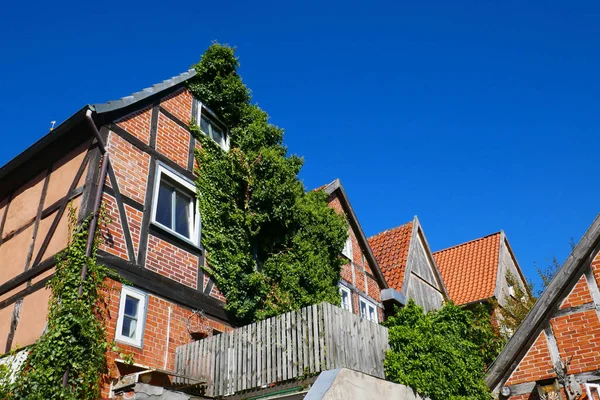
347	250
349	292
590	388
368	304
142	309
187	186
201	109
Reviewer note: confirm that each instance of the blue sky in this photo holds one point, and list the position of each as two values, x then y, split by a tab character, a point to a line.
475	116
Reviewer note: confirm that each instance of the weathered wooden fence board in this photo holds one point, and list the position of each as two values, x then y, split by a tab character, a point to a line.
286	347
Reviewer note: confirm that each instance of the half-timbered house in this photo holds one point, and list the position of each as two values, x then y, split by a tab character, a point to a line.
136	157
362	283
554	354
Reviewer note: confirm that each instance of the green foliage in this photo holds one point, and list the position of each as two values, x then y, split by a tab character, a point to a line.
271	246
75	338
515	307
548	273
442	354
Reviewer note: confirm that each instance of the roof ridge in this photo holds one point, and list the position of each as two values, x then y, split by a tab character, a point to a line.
390	230
468	242
124	101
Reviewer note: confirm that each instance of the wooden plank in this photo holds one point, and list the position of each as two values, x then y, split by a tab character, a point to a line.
294	349
311	354
224	361
320	312
327	318
253	328
244	363
285	344
315	322
258	351
218	361
279	348
248	357
268	347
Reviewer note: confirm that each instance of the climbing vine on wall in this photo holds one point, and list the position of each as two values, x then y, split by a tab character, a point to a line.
75	337
271	246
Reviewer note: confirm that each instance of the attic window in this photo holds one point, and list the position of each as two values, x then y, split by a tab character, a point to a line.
211	126
347	250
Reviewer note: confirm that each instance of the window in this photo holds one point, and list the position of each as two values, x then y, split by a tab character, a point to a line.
346	298
593	391
132	313
175	207
347	250
368	310
211	127
511	290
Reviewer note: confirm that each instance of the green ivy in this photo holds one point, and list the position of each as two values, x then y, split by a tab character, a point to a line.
442	354
75	338
272	247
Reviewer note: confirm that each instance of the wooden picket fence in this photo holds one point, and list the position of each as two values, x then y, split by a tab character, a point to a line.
291	346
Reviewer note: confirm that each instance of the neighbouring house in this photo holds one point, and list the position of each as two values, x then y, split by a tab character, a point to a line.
478	271
555	353
408	264
362	280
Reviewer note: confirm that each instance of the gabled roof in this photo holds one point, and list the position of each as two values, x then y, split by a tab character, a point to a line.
390	248
470	269
336	187
580	259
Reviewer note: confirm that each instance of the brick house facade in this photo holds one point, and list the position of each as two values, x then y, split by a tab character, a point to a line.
143	147
362	281
557	347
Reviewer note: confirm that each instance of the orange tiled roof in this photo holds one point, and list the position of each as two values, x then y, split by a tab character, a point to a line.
391	252
470	269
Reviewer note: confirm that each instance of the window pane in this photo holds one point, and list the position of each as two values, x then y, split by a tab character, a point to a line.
164	205
363	309
129	327
131	306
372	314
217	135
182	214
204	125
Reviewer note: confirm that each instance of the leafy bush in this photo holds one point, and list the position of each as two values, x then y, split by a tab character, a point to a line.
442	354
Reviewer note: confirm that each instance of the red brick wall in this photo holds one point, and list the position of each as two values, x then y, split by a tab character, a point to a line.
172	262
138	124
131	166
578	338
155	332
172	140
360	279
179	104
112	234
578	296
536	364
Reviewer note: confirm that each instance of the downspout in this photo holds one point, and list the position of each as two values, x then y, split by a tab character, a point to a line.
95	210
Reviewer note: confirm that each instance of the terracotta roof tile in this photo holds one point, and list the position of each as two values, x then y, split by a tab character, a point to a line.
391	252
470	269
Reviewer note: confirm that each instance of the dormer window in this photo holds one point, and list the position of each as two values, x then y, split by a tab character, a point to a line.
211	126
